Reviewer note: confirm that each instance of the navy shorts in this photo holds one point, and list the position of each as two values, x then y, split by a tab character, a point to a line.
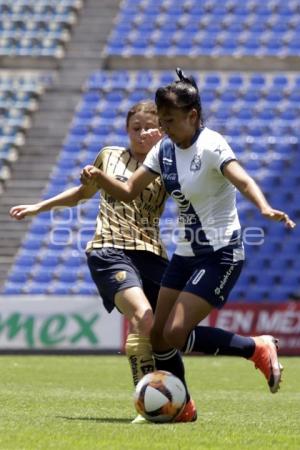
114	269
211	276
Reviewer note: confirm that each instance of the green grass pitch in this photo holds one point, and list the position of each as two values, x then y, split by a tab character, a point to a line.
85	402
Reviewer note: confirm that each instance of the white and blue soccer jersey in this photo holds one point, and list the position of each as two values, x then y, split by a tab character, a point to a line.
208	218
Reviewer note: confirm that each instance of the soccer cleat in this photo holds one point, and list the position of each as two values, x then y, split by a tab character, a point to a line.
139	419
266	360
188	414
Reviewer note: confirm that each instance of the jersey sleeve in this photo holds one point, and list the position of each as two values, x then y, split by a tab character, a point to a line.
99	159
222	154
151	161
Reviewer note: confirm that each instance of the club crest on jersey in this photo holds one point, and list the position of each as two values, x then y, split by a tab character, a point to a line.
120	276
195	163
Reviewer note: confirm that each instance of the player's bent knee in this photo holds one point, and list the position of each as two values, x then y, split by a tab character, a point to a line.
175	337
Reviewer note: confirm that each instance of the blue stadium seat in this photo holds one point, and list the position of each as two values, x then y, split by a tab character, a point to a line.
74	261
39	229
280	294
42	275
290	247
286	9
18	277
294	46
83	288
282	263
207	44
25	260
143	79
238	295
277	165
165	78
79	130
257	80
257	294
212	81
235	80
101	130
67	275
251	96
61	288
274	96
280	81
267	278
138	95
13	288
31	243
36	288
208	96
86	276
229	96
50	261
291	278
185	48
259	264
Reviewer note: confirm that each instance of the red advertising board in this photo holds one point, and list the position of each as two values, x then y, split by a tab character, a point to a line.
281	320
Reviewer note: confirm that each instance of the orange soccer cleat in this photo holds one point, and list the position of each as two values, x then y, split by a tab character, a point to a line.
266	360
188	414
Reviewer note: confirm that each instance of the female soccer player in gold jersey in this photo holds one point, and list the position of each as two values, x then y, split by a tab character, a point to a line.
126	256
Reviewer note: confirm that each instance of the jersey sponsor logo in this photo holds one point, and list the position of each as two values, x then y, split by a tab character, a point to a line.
195	163
184	204
198	276
121	178
167	161
120	276
219	150
223	282
169	176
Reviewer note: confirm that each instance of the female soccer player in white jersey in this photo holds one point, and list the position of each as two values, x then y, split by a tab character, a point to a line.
126	256
200	172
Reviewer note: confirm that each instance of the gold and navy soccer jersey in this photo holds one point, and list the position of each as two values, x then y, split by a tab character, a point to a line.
134	225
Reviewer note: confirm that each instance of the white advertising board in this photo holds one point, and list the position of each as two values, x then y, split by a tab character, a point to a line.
58	323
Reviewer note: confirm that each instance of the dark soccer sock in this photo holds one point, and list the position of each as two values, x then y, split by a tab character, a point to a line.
171	361
214	341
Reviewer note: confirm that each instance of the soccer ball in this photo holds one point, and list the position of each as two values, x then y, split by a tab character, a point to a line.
160	396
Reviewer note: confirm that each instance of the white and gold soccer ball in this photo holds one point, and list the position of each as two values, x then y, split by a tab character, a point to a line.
160	396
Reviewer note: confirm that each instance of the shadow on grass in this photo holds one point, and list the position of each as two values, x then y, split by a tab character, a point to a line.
98	419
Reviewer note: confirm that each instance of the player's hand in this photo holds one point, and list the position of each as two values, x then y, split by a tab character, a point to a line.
278	216
89	174
21	211
151	137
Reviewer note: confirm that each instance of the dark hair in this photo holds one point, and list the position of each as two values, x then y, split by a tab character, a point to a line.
181	94
146	106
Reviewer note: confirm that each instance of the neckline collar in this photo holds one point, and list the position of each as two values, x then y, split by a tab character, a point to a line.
194	139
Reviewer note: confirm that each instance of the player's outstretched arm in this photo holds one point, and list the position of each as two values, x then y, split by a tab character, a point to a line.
249	188
121	191
70	197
